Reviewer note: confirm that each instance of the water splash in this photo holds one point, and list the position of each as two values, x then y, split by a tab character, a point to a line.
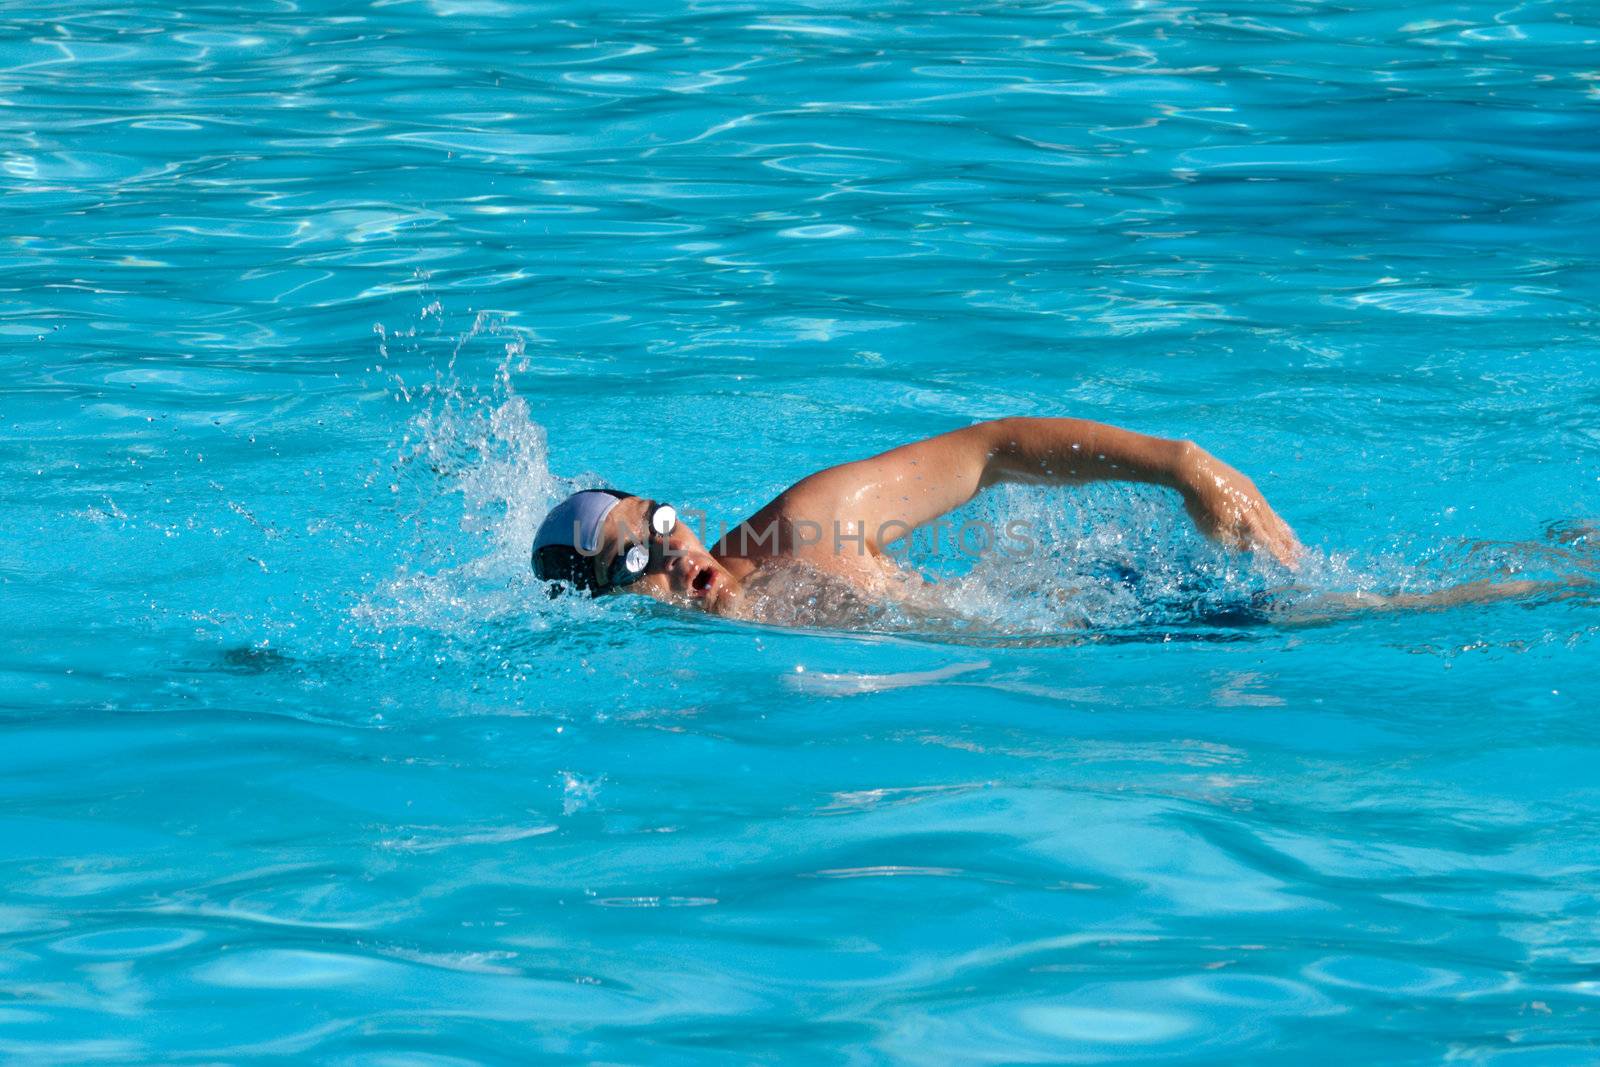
470	478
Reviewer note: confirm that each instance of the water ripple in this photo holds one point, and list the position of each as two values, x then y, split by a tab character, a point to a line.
311	311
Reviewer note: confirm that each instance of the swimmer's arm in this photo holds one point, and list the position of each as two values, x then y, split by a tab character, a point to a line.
1224	504
882	498
1075	452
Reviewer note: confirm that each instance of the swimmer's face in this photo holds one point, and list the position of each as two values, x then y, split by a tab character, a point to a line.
688	575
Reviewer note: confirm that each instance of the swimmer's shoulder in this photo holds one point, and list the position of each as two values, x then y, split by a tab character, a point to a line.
774	532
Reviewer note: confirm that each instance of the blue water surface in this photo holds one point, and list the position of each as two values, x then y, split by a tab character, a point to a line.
312	309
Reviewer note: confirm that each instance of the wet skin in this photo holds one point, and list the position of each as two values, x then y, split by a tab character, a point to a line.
875	502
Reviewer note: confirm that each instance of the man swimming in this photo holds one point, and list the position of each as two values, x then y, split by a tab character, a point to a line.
840	523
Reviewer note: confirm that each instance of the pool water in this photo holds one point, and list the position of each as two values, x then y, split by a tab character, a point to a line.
312	312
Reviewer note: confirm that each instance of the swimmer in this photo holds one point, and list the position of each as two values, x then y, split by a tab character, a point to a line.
841	522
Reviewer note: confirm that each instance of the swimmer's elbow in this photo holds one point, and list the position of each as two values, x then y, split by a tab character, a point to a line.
1000	448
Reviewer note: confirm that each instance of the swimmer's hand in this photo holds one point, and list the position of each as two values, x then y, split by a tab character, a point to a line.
1228	508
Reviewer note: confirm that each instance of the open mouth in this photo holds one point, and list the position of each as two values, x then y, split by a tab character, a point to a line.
704	578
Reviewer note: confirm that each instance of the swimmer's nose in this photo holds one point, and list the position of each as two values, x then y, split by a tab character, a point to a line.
678	571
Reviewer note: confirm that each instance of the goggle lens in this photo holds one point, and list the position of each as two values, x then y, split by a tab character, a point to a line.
637	560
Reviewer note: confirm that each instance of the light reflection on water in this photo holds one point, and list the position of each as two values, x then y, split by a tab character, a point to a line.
311	313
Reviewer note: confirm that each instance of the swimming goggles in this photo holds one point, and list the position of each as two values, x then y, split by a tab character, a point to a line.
639	559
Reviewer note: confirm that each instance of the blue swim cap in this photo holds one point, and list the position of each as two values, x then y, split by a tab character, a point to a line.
569	537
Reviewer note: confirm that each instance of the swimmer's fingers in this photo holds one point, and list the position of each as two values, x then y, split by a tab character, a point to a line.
1260	529
1271	534
1238	516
